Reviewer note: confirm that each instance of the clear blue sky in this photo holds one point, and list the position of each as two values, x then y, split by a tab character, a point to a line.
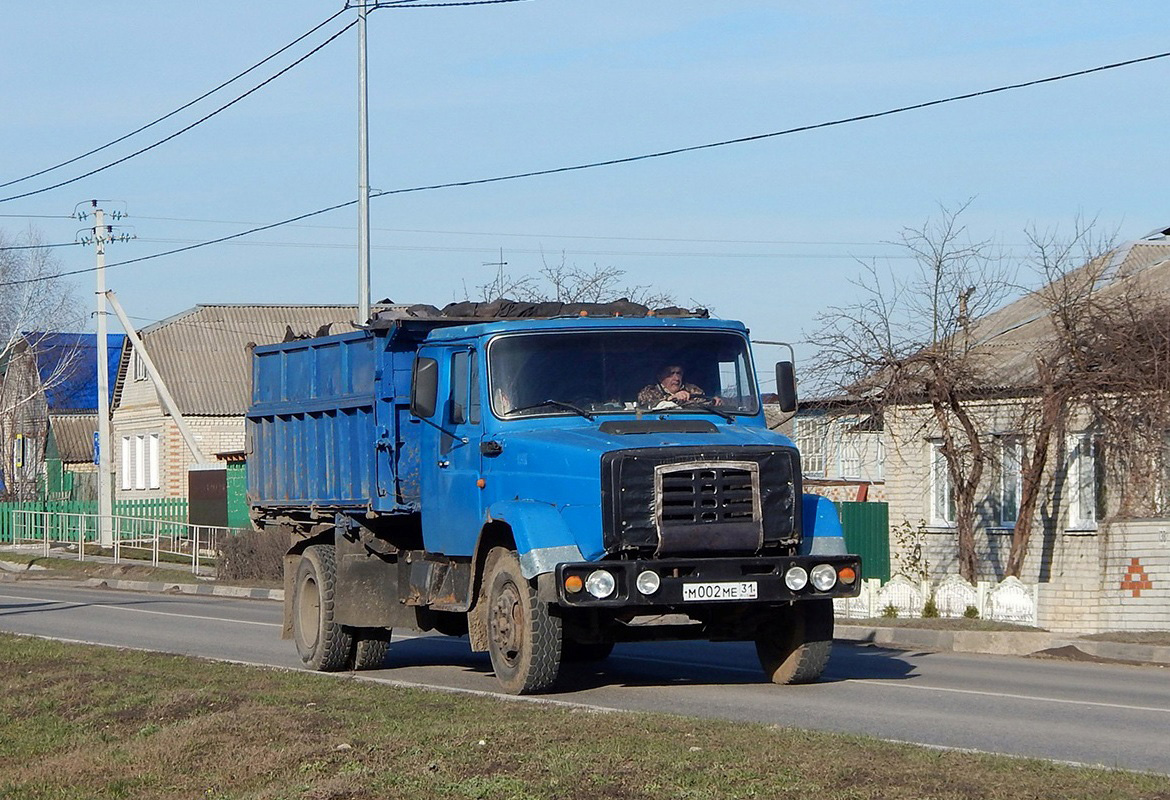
768	232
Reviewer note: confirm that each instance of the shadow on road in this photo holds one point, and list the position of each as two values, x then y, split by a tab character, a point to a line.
655	664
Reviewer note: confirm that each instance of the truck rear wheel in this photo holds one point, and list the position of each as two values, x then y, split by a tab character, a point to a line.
322	644
524	639
794	646
370	647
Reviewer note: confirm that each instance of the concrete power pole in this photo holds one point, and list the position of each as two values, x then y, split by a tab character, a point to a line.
105	483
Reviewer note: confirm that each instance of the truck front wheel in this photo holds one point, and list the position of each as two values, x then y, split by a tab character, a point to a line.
322	644
524	639
794	646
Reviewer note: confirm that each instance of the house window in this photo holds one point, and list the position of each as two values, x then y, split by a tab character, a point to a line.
810	441
141	465
1085	480
152	464
139	461
942	489
126	462
139	366
850	447
1010	479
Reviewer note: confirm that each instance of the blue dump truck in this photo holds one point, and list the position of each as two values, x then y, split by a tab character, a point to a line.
544	480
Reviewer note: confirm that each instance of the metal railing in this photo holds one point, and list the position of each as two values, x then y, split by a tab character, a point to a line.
134	538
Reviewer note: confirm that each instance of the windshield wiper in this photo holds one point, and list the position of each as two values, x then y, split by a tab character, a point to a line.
557	403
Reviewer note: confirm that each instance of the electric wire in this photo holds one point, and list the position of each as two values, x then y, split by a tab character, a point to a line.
181	108
37	246
614	161
197	122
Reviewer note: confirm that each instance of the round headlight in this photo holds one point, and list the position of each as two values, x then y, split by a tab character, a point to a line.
600	584
796	578
648	582
824	577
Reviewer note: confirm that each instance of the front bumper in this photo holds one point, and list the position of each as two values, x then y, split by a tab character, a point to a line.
681	575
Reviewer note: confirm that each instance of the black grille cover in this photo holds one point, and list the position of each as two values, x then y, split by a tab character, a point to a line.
707	500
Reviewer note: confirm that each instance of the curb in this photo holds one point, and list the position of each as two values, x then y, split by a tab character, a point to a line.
1003	643
162	587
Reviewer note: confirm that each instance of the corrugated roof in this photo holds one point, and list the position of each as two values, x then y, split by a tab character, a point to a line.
74	436
1008	339
202	353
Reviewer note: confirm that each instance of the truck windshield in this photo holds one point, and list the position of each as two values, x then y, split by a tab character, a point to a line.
600	372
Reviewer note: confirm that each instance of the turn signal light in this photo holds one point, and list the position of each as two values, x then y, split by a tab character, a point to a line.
847	574
574	584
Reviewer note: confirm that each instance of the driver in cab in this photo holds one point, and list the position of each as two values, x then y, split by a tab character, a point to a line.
672	391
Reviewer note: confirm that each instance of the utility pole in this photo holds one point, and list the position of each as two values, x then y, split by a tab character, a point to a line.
105	484
101	235
363	306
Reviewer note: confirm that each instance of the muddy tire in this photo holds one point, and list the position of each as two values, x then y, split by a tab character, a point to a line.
322	644
524	639
370	647
794	646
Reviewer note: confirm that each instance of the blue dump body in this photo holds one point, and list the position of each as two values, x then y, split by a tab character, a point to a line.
328	423
461	476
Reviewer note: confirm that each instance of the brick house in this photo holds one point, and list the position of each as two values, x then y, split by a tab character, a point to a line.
1098	563
203	356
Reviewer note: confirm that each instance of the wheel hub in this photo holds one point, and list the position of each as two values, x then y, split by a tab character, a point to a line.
506	622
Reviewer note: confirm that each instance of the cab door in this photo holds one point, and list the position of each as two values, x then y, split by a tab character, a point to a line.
452	504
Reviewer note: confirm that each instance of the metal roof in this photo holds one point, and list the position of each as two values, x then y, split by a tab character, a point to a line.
67	365
202	353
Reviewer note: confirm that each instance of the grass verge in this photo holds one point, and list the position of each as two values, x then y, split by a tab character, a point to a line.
37	566
93	722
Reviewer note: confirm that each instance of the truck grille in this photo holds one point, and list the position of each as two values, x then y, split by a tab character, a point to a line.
666	501
708	493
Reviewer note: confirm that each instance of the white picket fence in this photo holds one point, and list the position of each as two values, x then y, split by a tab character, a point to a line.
1008	601
134	538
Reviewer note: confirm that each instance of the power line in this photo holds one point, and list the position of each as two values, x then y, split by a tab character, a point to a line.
197	122
38	246
183	107
614	161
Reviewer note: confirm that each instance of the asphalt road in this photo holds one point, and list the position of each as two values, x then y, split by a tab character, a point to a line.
1117	716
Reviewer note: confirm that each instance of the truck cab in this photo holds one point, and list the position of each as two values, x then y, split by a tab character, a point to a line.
549	487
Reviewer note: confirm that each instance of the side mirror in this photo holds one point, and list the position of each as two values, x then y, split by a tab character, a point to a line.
424	387
786	385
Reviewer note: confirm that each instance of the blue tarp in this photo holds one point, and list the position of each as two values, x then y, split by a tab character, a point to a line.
76	353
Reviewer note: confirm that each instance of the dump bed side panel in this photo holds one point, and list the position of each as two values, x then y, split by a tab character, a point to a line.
312	432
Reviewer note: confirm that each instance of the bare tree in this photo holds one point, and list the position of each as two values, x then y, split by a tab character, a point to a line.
569	283
34	299
1104	359
907	342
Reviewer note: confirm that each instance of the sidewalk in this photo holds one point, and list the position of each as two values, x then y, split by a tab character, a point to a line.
1004	643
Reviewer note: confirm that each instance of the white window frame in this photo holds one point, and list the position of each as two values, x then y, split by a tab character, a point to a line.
127	462
1011	479
140	373
811	435
152	450
1081	480
942	490
139	461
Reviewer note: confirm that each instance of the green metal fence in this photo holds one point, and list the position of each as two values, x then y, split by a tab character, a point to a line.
867	533
170	509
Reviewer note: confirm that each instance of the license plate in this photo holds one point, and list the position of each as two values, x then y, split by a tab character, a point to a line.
724	590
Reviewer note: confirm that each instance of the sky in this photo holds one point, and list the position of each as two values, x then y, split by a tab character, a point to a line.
770	232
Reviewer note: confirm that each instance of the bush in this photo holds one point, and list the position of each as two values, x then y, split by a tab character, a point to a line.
971	612
930	609
252	556
890	612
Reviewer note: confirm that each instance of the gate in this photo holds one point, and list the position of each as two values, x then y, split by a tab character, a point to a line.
867	533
